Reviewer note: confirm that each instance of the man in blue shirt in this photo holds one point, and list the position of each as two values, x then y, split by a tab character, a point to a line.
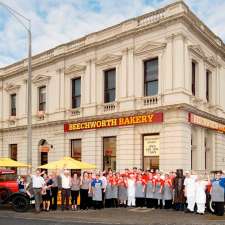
217	193
96	186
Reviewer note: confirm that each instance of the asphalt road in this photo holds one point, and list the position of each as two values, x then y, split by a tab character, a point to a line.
108	217
31	221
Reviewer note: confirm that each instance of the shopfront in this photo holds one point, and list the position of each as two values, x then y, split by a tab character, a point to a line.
111	142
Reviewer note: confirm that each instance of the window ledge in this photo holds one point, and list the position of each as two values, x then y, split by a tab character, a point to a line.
12	118
75	112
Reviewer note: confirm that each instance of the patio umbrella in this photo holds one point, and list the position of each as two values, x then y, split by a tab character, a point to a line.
68	163
7	162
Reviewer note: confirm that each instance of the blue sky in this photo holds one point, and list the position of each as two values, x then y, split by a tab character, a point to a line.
58	21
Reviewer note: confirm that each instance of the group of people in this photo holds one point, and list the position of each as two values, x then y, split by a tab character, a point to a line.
131	188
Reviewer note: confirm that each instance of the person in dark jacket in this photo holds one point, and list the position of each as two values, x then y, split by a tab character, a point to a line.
178	187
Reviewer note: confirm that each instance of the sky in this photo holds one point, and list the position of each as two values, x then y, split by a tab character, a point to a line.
59	21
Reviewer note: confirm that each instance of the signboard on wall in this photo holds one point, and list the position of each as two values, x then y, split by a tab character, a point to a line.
151	145
44	148
114	122
204	122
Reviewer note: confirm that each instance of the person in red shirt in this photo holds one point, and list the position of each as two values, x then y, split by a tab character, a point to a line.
158	187
150	186
114	187
122	191
140	191
108	192
168	192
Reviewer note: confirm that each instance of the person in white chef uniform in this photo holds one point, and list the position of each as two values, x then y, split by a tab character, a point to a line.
131	190
189	191
200	195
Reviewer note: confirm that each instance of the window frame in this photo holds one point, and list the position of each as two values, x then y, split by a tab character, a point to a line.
71	148
103	151
193	77
208	76
10	149
74	97
42	104
13	109
147	82
108	90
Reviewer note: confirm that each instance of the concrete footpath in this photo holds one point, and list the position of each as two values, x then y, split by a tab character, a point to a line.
112	216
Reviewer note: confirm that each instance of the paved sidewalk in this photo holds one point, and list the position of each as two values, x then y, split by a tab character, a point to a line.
118	216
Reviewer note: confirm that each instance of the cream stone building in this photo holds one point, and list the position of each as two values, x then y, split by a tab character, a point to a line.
148	92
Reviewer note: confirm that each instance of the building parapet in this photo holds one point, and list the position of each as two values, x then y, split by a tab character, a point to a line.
119	30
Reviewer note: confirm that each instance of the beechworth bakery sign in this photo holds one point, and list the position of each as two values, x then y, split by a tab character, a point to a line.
115	122
203	122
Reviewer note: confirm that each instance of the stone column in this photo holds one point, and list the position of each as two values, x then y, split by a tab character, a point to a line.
187	67
200	149
178	61
219	151
130	73
168	81
210	150
94	82
87	84
89	147
214	88
139	78
175	141
201	81
1	103
123	79
126	155
218	86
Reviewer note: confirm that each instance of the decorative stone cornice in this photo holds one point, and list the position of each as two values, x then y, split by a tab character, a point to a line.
75	69
107	59
10	87
212	61
41	79
149	47
197	50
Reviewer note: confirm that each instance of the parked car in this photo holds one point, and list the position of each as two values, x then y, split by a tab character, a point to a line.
9	192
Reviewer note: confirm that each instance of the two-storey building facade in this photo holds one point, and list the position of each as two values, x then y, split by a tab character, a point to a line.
148	92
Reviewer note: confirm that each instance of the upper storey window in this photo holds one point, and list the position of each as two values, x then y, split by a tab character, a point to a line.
76	92
193	77
151	77
13	104
110	85
208	85
42	98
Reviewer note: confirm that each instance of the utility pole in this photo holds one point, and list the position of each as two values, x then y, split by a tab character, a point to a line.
20	18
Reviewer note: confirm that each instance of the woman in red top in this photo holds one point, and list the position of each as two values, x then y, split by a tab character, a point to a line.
140	191
167	192
122	191
150	186
158	187
114	190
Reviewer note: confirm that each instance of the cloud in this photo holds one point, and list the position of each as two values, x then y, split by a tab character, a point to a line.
55	21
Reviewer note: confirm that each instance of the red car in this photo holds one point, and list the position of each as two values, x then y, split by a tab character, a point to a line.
9	192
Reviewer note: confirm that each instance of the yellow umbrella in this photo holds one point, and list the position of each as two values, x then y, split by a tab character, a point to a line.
7	162
68	163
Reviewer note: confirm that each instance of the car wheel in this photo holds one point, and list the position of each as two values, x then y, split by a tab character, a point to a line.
20	203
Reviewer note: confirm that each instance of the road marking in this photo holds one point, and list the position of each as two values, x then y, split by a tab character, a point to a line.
62	221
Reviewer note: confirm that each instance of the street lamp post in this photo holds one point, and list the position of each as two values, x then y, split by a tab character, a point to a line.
19	17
